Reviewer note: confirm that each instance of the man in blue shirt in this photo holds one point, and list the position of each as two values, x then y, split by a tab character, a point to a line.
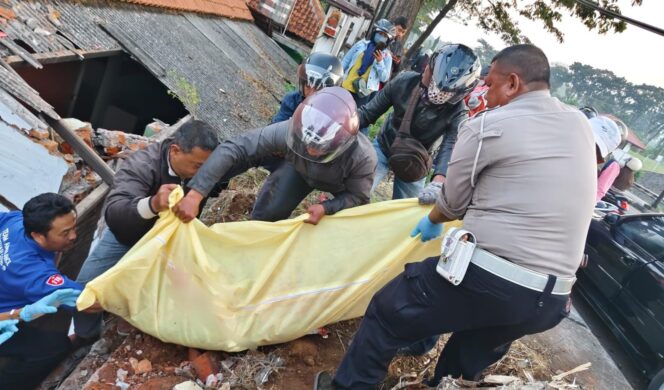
317	71
29	241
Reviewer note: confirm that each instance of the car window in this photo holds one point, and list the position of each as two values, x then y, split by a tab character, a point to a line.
647	233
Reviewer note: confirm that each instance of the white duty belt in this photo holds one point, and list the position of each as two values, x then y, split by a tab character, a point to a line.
519	275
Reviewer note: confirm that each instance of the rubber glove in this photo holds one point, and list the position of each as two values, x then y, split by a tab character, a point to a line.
428	229
49	304
430	193
7	329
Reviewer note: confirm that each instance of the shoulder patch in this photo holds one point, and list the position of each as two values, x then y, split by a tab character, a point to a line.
55	280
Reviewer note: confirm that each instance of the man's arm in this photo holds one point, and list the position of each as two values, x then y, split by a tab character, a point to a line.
41	278
606	179
358	189
370	112
235	155
383	68
457	191
449	140
128	202
239	154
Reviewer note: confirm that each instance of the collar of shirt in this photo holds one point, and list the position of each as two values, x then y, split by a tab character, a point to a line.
171	172
532	95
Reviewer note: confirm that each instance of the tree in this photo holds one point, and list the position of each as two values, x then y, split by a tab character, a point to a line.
497	16
406	8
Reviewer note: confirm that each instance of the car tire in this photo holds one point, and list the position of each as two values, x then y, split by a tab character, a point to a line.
657	382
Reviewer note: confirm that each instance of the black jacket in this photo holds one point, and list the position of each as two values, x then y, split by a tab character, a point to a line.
429	123
139	176
348	177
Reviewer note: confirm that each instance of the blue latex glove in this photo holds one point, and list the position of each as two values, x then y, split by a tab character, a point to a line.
7	329
50	303
428	229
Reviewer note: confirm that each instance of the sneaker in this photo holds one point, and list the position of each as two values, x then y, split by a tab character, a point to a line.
324	381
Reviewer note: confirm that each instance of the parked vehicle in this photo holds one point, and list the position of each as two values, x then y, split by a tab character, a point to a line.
624	283
620	201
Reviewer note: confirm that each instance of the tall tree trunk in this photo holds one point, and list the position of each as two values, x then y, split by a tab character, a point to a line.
443	12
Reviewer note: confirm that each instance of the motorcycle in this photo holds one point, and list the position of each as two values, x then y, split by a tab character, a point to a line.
618	200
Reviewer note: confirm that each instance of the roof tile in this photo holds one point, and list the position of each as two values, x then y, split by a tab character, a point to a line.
235	9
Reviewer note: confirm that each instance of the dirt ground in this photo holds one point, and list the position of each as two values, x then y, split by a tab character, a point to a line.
142	362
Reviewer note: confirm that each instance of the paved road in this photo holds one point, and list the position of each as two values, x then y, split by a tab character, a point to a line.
635	378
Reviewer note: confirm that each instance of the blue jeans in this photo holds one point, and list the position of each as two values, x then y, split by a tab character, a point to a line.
401	188
104	255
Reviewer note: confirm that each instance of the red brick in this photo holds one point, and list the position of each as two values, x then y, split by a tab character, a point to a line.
193	353
205	365
50	145
38	134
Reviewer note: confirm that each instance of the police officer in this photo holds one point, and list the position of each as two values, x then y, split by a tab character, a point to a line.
530	237
31	286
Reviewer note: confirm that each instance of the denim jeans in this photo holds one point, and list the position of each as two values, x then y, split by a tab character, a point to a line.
104	255
401	188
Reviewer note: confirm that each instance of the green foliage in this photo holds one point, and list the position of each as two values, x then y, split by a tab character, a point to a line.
184	91
497	16
641	107
375	128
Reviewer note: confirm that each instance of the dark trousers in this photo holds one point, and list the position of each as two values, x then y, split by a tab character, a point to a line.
29	356
485	314
282	191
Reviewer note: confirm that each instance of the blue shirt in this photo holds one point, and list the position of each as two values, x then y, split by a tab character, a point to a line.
288	105
27	272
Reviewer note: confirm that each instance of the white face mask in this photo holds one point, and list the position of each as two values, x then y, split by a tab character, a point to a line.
436	96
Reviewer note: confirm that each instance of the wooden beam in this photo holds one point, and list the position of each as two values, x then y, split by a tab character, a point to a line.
92	200
61	56
82	149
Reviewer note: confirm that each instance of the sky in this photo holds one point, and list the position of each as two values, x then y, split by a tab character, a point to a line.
633	54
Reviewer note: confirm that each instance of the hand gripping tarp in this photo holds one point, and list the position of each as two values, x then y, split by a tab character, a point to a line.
235	286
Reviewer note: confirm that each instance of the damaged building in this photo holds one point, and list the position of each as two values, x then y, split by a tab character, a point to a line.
114	66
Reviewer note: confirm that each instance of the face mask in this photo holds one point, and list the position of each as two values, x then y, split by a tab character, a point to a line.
436	96
380	41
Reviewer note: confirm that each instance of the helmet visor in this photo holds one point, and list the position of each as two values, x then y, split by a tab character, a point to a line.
316	137
317	78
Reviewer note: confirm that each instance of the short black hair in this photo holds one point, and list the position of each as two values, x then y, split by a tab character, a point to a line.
529	61
40	211
196	133
400	21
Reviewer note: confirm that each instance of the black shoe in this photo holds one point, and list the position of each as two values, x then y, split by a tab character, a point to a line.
324	381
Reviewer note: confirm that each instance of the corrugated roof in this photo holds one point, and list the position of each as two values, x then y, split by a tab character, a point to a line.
235	9
238	72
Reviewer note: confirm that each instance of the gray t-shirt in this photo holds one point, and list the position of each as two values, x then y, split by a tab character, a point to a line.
535	183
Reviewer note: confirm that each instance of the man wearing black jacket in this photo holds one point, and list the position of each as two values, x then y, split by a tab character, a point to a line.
452	73
140	192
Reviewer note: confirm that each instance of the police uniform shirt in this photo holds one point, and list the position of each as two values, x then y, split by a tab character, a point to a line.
27	272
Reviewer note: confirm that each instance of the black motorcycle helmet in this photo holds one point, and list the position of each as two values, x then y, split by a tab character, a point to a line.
589	111
318	71
454	71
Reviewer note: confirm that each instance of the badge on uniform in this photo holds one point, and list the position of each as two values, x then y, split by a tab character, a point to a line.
55	280
455	254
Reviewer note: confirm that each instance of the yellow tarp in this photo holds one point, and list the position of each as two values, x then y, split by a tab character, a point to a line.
239	285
